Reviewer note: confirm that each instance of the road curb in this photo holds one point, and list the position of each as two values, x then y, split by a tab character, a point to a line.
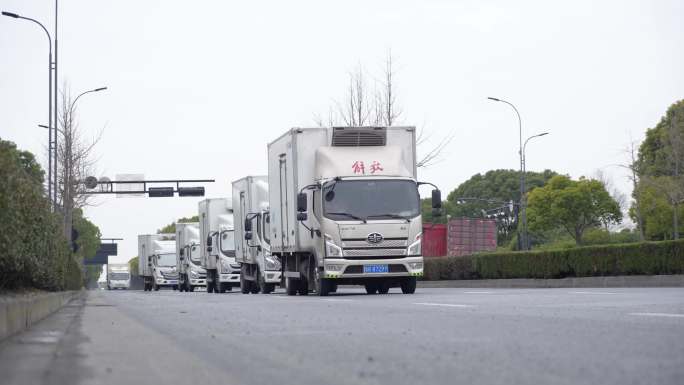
19	312
617	281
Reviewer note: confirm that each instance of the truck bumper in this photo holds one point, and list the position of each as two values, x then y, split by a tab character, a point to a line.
166	282
272	276
233	278
399	267
198	282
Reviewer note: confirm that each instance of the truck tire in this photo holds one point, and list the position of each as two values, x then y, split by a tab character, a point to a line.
190	288
303	286
266	288
245	286
333	287
209	283
156	287
222	287
371	288
408	285
291	286
322	285
383	288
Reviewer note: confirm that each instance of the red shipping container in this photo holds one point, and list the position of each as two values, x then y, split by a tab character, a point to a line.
470	235
434	240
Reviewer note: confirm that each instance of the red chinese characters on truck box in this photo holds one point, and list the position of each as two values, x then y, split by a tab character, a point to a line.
360	168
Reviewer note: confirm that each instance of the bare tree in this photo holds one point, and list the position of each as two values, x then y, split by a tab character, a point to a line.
614	192
76	161
380	108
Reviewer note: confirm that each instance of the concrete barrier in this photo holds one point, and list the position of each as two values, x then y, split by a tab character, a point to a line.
19	311
617	281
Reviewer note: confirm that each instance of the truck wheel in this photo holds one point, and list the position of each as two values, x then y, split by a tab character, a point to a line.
216	282
383	288
371	288
222	287
156	287
408	285
322	285
333	287
291	286
245	286
209	288
303	286
190	288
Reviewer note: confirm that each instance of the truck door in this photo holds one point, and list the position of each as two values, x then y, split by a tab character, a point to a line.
241	224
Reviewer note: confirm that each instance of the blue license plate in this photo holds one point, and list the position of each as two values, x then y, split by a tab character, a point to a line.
375	269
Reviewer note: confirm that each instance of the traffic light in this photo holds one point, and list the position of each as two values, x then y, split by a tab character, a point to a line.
160	192
191	191
74	237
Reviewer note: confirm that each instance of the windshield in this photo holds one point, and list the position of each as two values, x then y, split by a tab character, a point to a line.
166	260
194	254
377	199
228	241
118	276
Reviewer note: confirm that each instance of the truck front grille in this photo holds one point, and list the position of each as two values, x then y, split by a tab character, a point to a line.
363	243
374	253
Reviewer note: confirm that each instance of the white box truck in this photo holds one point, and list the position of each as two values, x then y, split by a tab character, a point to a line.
191	274
157	261
118	276
217	245
259	270
345	208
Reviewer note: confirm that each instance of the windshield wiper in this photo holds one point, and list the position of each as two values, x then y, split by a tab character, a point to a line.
349	215
393	216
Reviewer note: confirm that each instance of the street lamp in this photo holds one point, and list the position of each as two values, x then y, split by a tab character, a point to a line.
526	244
51	145
521	237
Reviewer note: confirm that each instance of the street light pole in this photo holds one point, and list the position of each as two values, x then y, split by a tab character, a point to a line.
50	142
524	216
521	236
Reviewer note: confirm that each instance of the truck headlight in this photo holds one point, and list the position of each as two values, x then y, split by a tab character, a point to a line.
331	249
415	247
416	265
194	274
225	266
271	263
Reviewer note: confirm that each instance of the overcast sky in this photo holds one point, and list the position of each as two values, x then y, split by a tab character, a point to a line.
197	89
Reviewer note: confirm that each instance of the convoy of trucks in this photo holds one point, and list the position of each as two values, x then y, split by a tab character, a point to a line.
217	245
157	261
118	276
259	270
191	274
339	206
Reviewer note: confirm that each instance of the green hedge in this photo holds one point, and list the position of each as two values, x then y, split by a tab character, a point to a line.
646	258
33	251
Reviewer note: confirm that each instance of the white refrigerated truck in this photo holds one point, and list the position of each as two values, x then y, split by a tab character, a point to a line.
259	270
345	208
217	244
118	276
191	274
157	261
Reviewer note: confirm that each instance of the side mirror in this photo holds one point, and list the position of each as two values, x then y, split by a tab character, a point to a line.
436	199
248	235
182	252
248	226
301	202
209	241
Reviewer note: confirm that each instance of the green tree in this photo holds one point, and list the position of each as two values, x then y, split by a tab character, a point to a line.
171	227
33	250
495	185
573	206
660	166
133	264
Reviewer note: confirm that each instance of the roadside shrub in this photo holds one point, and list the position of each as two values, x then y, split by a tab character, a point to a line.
646	258
33	251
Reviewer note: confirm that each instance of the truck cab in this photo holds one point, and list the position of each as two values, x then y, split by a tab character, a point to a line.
259	269
217	245
191	272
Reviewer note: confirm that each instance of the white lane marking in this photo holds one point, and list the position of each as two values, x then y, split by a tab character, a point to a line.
443	304
670	315
336	300
478	292
591	292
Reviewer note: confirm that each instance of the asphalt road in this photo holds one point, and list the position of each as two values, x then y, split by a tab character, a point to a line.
437	336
